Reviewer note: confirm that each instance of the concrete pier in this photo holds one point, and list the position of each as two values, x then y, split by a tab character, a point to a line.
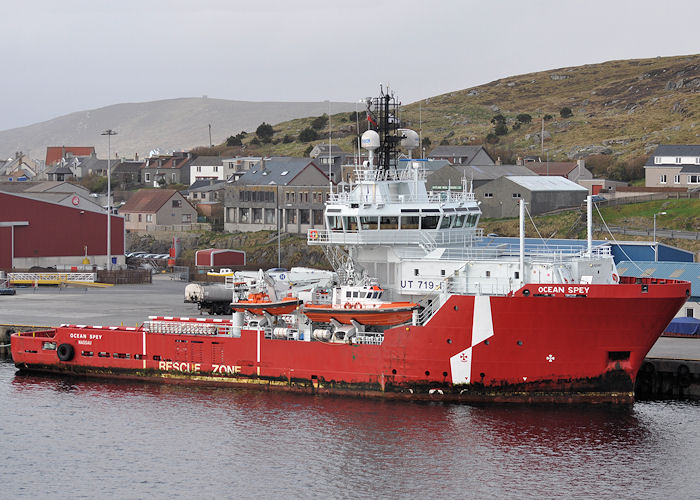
671	370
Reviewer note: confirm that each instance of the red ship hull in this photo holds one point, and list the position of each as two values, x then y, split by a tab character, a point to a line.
545	345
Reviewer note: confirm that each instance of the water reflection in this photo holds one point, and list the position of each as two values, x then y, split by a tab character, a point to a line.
144	439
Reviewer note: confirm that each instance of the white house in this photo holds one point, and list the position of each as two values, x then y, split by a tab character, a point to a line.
207	167
673	165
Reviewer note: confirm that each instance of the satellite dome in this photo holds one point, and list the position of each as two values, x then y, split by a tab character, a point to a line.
409	138
370	140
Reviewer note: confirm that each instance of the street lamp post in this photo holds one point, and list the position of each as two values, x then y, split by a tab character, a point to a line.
109	133
656	248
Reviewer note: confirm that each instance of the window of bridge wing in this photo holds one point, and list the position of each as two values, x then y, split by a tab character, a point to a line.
459	220
430	219
446	221
471	220
369	223
335	223
350	224
388	223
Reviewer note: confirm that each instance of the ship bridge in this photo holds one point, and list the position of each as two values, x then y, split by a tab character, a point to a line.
392	207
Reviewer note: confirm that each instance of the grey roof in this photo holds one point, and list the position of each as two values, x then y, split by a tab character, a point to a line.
494	171
550	183
687	271
127	166
277	170
468	152
673	150
207	186
205	161
690	169
430	165
92	163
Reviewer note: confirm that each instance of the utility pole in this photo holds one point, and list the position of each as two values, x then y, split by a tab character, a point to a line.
109	133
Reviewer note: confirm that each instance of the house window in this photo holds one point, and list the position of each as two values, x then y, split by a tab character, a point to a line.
516	195
697	160
194	196
148	177
657	160
177	203
140	217
662	179
689	312
243	215
676	179
173	176
186	218
694	179
126	217
257	215
304	216
678	160
199	169
149	217
216	169
488	195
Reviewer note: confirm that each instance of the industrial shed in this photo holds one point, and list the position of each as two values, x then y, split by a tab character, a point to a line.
500	197
56	229
219	257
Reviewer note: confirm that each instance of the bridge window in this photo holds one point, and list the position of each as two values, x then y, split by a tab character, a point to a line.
335	223
350	224
446	221
459	220
410	222
430	221
369	223
388	222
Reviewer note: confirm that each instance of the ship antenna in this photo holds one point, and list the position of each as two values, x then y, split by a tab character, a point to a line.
330	172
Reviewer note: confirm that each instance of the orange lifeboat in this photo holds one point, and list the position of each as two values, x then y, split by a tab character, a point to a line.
360	304
257	303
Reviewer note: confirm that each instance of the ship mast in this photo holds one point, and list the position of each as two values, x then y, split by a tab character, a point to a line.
382	115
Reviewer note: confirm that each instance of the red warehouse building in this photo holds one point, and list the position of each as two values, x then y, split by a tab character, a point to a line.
57	229
217	257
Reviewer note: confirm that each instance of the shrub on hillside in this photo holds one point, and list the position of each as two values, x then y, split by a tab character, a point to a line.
308	135
565	112
500	129
319	122
264	132
234	141
524	118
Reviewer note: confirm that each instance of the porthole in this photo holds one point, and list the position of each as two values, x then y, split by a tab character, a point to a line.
449	341
456	308
486	342
444	374
393	371
427	373
520	342
526	292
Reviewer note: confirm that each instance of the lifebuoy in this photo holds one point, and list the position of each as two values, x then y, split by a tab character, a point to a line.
313	234
65	352
347	305
615	278
358	305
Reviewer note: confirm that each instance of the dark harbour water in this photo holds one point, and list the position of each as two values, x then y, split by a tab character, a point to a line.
71	438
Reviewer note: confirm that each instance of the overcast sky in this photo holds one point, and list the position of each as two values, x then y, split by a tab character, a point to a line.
73	55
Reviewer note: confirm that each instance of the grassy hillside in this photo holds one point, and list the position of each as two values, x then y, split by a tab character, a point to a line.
619	108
